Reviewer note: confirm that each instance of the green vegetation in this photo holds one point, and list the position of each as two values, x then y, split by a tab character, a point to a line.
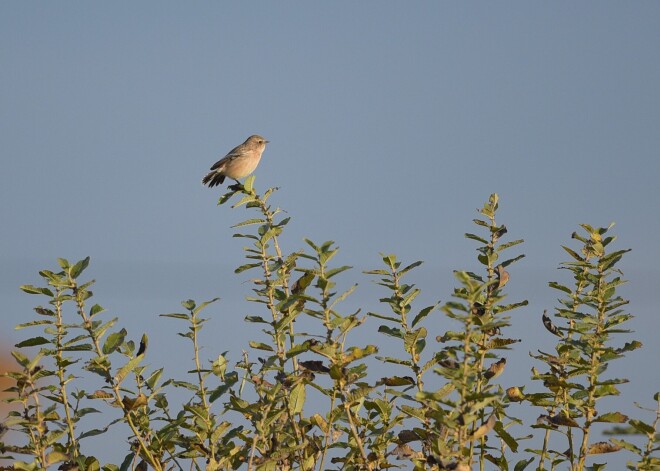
442	408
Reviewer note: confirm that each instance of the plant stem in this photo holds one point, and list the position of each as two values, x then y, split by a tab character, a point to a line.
73	444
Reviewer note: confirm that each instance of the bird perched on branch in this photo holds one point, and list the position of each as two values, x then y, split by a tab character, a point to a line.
238	163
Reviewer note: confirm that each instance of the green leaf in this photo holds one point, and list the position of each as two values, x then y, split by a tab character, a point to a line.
176	316
479	222
423	313
247	266
20	358
204	304
29	289
297	399
56	457
410	267
397	381
612	417
627	445
92	464
612	259
79	348
377	272
629	347
390	261
560	287
95	309
500	343
219	366
436	395
249	184
100	332
114	341
188	304
606	390
44	312
643	427
380	316
261	346
356	395
219	391
126	464
395	361
508	262
509	244
283	222
408	299
356	353
268	465
297	349
33	323
391	331
127	368
477	238
413	412
504	435
226	197
573	254
522	464
596	467
87	410
512	306
32	342
335	271
413	338
78	268
152	381
249	222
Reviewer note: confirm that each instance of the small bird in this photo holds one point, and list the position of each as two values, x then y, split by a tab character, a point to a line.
238	163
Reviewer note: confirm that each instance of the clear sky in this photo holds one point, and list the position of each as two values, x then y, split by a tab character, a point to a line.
389	122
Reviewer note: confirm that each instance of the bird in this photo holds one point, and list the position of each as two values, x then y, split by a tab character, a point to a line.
240	162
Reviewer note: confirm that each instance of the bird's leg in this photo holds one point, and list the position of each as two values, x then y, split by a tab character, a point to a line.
237	187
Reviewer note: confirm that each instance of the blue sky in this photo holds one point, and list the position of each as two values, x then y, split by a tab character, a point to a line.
389	124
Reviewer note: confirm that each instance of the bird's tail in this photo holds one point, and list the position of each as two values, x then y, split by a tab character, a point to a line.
213	179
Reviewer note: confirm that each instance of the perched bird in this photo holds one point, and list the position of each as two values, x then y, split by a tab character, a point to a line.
238	163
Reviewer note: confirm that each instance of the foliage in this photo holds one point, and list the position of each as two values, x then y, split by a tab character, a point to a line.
441	406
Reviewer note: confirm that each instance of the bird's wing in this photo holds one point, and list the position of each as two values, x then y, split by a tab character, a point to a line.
227	158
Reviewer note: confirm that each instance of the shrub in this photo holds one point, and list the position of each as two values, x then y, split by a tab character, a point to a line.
440	408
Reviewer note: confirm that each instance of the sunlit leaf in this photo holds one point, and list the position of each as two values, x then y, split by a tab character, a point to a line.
297	399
